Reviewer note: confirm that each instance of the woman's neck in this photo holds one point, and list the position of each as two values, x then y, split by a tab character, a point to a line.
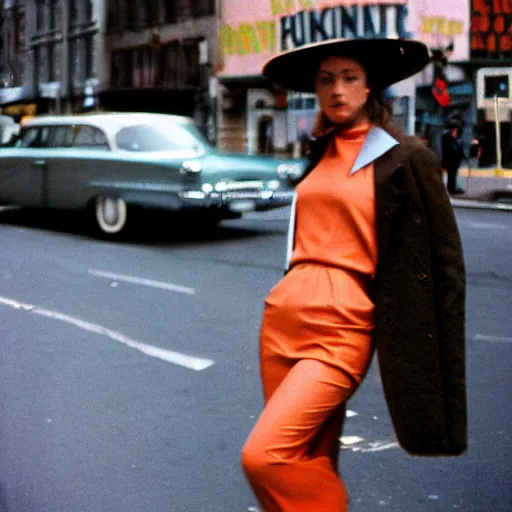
361	122
354	131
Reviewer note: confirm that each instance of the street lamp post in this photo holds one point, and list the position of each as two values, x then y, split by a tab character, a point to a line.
497	126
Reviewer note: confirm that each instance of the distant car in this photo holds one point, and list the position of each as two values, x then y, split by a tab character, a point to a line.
109	162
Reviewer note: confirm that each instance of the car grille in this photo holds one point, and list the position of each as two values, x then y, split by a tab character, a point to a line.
242	194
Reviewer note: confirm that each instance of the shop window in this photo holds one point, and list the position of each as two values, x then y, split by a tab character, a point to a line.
54	14
74	17
191	61
89	11
20	30
53	62
310	103
41	61
112	15
89	56
76	60
130	17
171	11
155	12
121	69
40	15
171	64
203	8
184	9
141	13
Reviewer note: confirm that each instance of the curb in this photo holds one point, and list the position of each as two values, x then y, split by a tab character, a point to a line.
481	205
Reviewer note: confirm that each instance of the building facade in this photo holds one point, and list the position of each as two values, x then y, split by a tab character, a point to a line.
52	55
67	56
158	58
16	84
251	110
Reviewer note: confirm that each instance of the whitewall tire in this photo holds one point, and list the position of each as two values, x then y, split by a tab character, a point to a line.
111	214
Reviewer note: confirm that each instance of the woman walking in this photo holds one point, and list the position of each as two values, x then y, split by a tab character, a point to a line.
374	262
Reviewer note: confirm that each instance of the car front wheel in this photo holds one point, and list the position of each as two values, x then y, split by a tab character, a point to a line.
111	214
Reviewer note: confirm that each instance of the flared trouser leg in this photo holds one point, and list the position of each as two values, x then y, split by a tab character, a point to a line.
288	457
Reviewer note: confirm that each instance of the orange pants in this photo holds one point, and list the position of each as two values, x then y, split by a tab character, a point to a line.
290	458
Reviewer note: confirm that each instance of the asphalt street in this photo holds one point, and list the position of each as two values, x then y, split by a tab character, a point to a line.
129	372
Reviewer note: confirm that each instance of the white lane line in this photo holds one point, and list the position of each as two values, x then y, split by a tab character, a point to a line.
190	362
486	225
144	282
498	339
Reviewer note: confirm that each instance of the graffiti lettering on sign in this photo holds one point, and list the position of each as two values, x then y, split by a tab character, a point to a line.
354	21
292	29
248	38
286	6
441	26
491	29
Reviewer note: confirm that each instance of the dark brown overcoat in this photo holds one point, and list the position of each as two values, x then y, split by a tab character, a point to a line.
419	295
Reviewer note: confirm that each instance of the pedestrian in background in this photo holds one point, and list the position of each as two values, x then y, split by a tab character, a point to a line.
374	261
452	156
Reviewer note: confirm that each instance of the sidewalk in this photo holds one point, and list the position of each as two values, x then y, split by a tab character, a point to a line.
484	188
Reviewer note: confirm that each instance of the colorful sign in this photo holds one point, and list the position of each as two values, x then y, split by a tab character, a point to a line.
491	29
441	23
252	34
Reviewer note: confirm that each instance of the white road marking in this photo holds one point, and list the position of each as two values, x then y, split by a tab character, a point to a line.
349	440
485	337
190	362
144	282
353	443
486	225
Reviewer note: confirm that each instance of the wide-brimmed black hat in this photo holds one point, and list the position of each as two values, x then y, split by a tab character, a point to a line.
386	61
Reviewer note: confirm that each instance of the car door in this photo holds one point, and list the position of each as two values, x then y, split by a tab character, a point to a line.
77	157
24	169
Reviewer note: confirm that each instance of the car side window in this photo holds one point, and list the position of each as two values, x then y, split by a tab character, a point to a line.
89	137
61	136
34	137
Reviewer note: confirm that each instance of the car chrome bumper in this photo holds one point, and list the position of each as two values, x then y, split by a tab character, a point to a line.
237	200
246	201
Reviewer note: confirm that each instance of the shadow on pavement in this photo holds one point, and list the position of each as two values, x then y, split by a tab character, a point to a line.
147	228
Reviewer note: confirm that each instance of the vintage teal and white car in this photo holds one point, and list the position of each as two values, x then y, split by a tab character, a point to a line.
112	163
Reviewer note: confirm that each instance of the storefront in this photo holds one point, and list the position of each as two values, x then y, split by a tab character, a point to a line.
252	111
491	69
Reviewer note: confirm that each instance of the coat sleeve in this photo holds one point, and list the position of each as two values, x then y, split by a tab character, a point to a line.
448	273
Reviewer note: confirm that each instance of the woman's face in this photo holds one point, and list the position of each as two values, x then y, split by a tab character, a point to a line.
342	90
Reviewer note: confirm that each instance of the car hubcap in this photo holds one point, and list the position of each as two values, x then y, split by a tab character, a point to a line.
110	211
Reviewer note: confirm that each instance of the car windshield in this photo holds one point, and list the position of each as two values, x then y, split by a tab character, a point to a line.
160	137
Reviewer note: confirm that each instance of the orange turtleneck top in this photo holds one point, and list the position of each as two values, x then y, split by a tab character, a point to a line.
322	309
335	219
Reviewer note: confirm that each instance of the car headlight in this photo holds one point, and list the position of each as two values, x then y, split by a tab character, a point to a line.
289	171
191	167
207	188
221	186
